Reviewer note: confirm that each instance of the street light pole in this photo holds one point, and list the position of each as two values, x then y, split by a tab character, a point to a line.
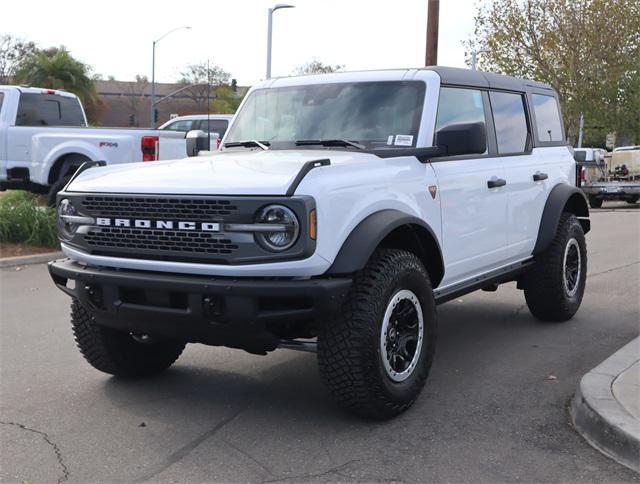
152	121
474	58
270	33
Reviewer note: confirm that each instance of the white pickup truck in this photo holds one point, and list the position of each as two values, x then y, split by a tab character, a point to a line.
44	138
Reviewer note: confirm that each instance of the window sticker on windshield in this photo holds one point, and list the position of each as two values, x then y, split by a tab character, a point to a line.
404	140
390	140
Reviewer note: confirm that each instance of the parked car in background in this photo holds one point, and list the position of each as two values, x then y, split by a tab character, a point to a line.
615	177
44	138
213	124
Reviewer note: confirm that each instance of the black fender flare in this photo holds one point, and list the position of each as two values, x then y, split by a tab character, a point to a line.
372	230
66	165
563	198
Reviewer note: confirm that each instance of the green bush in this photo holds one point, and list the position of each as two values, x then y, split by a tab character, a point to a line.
22	220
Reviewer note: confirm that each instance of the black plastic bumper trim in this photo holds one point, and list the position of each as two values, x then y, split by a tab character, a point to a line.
197	308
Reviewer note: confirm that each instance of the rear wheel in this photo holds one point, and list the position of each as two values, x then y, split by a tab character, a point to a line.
376	355
120	353
555	286
595	202
632	200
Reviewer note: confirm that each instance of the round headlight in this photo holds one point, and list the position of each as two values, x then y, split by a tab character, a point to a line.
66	229
287	231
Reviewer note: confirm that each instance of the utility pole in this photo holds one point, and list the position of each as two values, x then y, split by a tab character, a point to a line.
433	13
474	58
581	129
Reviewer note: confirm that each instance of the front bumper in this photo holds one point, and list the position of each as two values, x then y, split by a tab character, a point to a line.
243	313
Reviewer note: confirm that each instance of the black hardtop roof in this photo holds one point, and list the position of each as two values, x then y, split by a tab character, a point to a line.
489	80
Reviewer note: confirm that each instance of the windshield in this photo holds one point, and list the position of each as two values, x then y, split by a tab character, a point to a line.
374	114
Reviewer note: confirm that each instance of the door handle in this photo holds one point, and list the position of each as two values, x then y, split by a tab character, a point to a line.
496	182
538	176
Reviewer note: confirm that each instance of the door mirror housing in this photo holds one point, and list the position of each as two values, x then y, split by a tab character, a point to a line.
197	141
462	139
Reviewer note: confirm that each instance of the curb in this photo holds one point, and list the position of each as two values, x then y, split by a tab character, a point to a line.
24	260
598	415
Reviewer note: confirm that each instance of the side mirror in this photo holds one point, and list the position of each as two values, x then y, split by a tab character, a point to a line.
197	141
463	139
580	156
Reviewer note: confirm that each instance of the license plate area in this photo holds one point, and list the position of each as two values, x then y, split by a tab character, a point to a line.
154	298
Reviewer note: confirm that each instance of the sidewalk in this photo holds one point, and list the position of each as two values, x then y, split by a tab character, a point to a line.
606	407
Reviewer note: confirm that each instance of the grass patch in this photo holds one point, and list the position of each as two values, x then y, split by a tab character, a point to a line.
22	220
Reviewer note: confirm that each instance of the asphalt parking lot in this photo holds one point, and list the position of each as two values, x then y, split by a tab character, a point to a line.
494	409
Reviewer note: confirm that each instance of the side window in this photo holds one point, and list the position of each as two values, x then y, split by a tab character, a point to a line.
1	99
48	110
458	105
547	118
215	126
510	119
182	125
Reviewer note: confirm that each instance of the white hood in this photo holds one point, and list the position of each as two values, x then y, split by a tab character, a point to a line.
226	173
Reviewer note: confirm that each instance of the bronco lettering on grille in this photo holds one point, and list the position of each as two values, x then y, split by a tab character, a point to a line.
158	224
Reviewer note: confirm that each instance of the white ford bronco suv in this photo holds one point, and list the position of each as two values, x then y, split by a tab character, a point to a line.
341	209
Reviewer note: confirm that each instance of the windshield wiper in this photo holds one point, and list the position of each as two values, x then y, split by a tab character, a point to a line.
248	144
329	142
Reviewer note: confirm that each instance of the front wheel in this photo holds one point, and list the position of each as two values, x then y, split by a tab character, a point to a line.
375	357
555	286
120	353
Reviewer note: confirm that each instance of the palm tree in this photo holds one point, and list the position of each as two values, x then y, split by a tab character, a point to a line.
55	68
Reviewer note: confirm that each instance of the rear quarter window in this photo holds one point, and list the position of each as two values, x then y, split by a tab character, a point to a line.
36	109
215	126
548	124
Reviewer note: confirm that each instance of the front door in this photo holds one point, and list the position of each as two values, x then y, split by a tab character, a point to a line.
472	194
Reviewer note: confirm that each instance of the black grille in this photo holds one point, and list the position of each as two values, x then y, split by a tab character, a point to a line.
176	241
192	209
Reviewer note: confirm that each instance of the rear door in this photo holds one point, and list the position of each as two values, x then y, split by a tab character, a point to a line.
526	172
474	214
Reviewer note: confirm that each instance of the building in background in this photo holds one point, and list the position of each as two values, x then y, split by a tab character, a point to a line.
128	103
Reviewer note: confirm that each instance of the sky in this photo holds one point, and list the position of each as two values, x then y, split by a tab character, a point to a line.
115	38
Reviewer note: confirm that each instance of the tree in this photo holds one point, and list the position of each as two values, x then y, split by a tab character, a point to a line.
226	102
135	97
317	67
205	79
588	50
55	68
13	52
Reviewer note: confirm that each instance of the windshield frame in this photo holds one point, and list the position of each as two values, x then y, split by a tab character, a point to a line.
370	145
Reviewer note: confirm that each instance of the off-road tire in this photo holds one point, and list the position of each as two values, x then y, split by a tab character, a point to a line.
55	188
117	352
349	354
544	286
595	202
